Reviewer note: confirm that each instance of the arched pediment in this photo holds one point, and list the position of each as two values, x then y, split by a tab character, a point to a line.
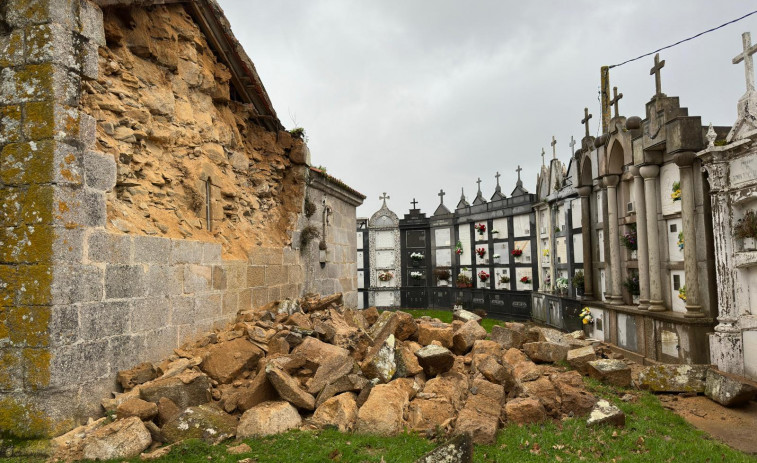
384	218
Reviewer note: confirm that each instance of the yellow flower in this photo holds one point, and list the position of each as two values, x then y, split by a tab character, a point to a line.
586	321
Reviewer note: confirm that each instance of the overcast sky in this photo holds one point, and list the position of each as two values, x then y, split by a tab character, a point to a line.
410	97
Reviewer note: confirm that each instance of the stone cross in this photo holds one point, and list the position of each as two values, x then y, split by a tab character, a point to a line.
616	97
518	171
585	120
746	57
542	157
414	203
441	196
554	143
384	197
479	184
497	176
658	65
572	145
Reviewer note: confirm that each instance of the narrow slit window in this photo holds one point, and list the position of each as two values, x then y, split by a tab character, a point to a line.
673	228
676	282
208	211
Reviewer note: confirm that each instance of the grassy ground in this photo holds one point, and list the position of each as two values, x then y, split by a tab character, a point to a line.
446	316
651	434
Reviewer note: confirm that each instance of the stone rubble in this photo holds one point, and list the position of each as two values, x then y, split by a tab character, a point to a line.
313	364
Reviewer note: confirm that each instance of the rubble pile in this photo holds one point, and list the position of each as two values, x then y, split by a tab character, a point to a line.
311	364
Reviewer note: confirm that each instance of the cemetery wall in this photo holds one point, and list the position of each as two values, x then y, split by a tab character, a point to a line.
143	201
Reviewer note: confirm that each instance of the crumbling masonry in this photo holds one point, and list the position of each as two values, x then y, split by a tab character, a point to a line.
148	192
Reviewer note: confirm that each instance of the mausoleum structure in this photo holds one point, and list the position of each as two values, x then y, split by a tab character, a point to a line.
148	192
731	165
646	239
481	256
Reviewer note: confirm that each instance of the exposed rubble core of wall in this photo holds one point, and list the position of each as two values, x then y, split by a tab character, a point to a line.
165	113
113	127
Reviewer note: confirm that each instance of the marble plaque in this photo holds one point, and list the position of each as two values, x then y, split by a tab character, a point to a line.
750	353
360	279
601	244
360	240
498	272
385	239
560	217
415	238
627	332
384	221
562	250
443	258
482	260
442	237
674	227
501	226
520	273
744	170
669	343
669	174
360	301
575	212
385	298
521	225
464	234
503	250
385	259
524	246
578	249
543	223
600	208
602	284
359	259
677	280
597	328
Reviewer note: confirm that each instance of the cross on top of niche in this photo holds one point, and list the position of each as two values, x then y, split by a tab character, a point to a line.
585	120
746	57
518	170
658	65
414	203
554	143
616	98
441	195
384	197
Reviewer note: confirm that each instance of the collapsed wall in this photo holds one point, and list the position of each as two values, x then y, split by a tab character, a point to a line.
148	193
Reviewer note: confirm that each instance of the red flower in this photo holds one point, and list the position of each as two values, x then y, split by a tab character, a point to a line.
517	252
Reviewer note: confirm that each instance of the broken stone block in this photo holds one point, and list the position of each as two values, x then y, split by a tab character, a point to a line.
514	356
333	369
205	422
318	351
497	373
574	398
406	326
226	360
289	388
258	391
407	362
465	316
267	419
673	378
543	390
610	371
380	364
546	352
525	410
137	407
371	315
383	412
486	347
435	331
452	386
579	358
481	426
606	413
384	326
470	332
527	371
339	411
506	337
186	389
166	410
457	450
729	390
435	359
351	382
430	414
120	439
140	374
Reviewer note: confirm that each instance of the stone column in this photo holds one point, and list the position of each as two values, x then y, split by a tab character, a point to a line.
586	230
641	237
650	173
688	216
611	183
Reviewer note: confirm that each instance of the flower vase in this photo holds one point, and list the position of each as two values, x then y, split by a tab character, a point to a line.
634	255
635	299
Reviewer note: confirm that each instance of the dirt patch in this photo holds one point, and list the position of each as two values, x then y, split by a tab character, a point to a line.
736	427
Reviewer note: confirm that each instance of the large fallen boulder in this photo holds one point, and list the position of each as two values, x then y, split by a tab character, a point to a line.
457	450
435	359
729	390
546	351
579	358
204	422
673	378
186	389
339	411
606	413
610	371
289	388
435	331
383	413
507	337
120	439
525	410
469	333
267	419
226	360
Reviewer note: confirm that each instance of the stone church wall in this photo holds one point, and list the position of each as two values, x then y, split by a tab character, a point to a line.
114	124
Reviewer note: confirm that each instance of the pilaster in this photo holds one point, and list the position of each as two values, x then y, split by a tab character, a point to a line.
641	237
650	173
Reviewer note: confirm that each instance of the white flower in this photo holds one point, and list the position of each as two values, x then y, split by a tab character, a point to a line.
416	256
416	275
495	256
